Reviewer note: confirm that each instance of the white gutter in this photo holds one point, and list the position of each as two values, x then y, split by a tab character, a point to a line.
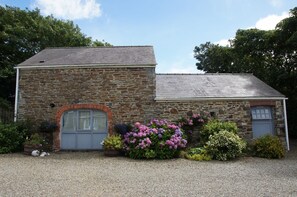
16	96
216	99
286	124
87	66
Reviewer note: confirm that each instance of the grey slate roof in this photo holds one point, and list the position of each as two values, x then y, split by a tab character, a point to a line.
119	55
212	86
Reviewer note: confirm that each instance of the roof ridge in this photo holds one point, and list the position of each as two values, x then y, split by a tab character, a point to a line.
204	73
79	47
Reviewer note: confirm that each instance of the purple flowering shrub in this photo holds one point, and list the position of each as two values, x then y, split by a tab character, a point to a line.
191	122
159	139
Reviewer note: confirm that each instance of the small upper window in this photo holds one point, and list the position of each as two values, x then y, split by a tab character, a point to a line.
261	114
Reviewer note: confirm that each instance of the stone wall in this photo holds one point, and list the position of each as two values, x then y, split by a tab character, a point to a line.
237	111
128	92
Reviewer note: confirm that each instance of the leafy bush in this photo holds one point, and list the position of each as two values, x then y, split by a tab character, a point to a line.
5	104
34	139
25	128
215	126
225	145
198	154
13	135
191	122
269	147
159	139
11	138
113	142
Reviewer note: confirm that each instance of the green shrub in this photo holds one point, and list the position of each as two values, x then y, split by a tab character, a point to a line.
192	124
198	154
12	136
9	138
214	126
34	139
225	145
5	104
113	142
269	147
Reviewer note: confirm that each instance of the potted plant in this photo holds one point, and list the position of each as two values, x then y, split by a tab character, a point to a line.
35	142
113	145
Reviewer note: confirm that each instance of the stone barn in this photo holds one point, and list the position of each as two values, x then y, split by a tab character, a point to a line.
86	91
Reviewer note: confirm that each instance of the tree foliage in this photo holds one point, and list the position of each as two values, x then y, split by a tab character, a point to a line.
23	33
269	55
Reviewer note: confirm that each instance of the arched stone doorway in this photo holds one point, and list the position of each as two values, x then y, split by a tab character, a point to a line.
89	110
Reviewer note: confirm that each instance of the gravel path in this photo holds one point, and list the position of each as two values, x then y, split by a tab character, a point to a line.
92	174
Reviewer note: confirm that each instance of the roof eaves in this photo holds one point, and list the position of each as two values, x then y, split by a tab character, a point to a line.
86	66
163	99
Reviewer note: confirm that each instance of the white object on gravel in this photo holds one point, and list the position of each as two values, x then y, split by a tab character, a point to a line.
35	153
44	154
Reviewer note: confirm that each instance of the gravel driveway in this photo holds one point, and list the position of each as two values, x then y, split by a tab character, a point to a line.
92	174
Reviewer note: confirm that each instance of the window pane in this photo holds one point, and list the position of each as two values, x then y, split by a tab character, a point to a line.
69	121
84	120
99	121
254	116
261	114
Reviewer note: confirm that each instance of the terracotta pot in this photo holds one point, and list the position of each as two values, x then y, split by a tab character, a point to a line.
111	153
28	148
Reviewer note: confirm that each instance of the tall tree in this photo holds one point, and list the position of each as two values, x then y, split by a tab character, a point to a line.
269	55
24	33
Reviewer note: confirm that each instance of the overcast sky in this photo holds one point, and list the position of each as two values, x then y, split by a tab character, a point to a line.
173	27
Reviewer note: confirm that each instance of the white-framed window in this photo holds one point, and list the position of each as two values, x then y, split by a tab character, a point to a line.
261	114
69	122
99	121
84	120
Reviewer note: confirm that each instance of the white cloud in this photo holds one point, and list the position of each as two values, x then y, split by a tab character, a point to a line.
223	42
269	22
69	9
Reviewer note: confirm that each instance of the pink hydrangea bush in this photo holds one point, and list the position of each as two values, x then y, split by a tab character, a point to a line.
159	139
191	122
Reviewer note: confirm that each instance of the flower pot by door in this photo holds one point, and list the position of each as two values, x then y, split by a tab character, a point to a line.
28	148
111	153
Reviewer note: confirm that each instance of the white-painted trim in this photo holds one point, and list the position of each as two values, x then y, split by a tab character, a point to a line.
217	99
85	66
16	96
286	124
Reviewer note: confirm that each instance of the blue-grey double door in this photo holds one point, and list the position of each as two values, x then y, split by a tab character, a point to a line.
83	129
262	121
